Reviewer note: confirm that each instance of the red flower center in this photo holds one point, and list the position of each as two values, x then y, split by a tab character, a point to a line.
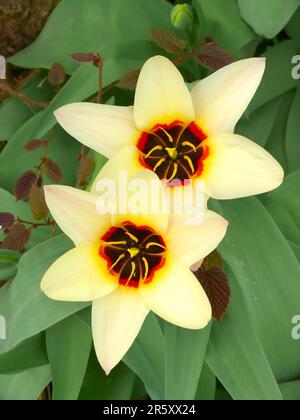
133	253
175	152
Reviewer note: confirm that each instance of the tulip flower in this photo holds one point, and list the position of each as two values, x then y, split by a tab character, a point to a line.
127	265
182	135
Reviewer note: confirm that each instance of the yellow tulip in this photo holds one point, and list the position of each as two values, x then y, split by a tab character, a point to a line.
128	265
180	134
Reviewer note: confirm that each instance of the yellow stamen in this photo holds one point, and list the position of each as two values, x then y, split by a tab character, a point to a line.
154	244
133	252
191	145
117	261
153	150
146	268
170	138
172	152
133	267
115	242
189	161
174	172
134	238
158	164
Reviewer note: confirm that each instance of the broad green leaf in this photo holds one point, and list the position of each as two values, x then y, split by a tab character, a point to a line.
267	17
278	75
14	112
235	354
290	391
185	352
146	357
68	347
27	385
99	25
26	309
224	24
207	385
276	143
29	354
292	143
268	273
293	26
284	206
259	124
97	386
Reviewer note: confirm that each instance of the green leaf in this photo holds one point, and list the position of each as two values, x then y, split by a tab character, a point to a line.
290	391
292	143
21	111
146	357
26	309
268	273
99	26
224	24
268	17
259	124
293	26
277	78
27	385
68	346
29	354
207	385
185	352
97	386
283	204
235	354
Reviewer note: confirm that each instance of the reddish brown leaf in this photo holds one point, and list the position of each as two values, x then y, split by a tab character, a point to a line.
56	75
17	238
213	260
130	79
52	170
33	144
215	283
24	184
83	57
85	170
168	41
37	202
213	57
2	283
6	220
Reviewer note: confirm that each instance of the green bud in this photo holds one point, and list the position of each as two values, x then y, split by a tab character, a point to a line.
182	16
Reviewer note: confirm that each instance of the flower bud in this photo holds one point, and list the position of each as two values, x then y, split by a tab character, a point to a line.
182	16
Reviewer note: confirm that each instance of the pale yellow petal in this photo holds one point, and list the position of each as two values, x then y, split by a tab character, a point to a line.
222	98
116	321
161	95
237	167
103	128
193	242
145	204
76	213
79	275
177	296
123	165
